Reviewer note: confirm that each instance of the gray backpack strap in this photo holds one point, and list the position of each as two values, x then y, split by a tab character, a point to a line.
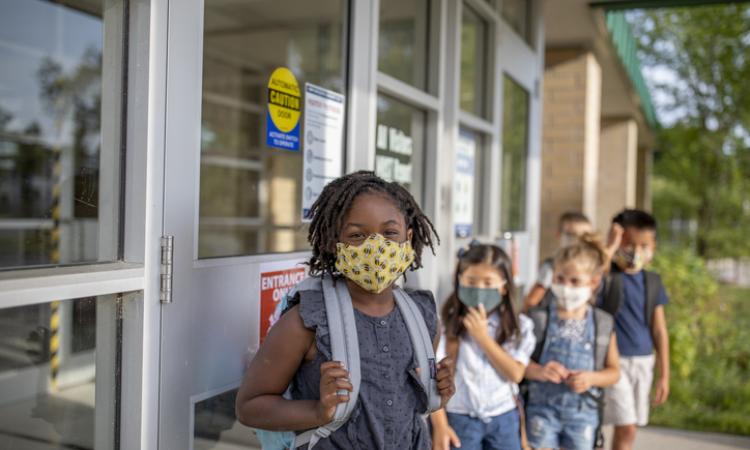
540	316
344	348
604	327
423	347
652	280
613	292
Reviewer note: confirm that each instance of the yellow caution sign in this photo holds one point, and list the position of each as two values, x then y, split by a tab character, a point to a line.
284	110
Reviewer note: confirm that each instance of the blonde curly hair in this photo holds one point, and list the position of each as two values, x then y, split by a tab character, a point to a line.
588	253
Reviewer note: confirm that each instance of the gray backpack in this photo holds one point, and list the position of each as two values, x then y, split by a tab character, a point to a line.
345	348
613	292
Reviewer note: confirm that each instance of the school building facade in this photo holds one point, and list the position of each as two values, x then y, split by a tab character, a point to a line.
157	158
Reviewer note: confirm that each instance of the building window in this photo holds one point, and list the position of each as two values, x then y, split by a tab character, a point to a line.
51	134
251	193
516	13
402	42
468	182
515	155
52	374
473	86
400	143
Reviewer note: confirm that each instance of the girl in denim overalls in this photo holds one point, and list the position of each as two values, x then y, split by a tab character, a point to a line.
562	410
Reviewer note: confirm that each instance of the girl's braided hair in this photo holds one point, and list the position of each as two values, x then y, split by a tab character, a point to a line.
328	211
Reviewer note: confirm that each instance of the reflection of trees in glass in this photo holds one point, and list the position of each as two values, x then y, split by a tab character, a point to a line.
473	37
5	118
76	96
396	49
402	41
314	54
23	161
515	133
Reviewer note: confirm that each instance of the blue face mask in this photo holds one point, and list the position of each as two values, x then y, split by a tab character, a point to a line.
474	296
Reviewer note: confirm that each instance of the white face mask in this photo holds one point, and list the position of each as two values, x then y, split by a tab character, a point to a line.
569	297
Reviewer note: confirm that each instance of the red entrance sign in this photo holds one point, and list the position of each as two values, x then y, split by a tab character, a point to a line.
273	287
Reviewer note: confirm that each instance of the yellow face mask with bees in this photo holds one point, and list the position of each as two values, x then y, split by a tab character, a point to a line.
374	264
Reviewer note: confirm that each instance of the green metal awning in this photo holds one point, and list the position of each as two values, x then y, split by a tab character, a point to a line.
626	46
641	4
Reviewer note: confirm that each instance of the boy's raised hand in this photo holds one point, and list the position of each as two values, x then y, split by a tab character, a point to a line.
333	378
445	383
555	372
614	238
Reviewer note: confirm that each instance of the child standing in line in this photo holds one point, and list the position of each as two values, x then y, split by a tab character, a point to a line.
571	225
576	353
355	215
636	298
491	345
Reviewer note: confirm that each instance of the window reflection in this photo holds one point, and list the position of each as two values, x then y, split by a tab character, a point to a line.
399	146
216	426
473	92
50	124
49	377
516	13
402	41
251	194
515	155
468	182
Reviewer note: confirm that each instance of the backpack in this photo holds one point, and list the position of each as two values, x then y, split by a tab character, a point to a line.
604	326
613	292
345	348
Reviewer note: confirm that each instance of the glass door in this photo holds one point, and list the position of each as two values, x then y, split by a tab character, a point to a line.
237	183
68	303
520	67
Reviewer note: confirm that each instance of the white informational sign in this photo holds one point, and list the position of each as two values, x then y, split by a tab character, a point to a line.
323	143
463	185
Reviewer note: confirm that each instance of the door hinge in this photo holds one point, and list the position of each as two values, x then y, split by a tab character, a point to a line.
167	254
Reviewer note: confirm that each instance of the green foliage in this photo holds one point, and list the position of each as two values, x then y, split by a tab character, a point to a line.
699	61
709	328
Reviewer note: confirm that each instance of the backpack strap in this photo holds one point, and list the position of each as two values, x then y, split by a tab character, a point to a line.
344	348
603	326
613	292
653	283
423	347
540	317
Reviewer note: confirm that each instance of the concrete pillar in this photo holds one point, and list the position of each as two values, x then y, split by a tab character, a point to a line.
570	133
618	169
645	172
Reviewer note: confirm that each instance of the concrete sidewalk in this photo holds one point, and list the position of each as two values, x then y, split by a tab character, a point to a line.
657	438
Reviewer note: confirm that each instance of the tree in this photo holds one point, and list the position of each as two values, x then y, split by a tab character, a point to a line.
697	61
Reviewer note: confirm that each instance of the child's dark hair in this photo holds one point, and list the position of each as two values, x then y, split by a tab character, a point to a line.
635	218
571	217
328	211
454	311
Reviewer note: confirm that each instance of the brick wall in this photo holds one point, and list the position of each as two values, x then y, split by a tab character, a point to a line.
570	139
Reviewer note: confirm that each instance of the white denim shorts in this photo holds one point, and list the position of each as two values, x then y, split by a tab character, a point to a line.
628	401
